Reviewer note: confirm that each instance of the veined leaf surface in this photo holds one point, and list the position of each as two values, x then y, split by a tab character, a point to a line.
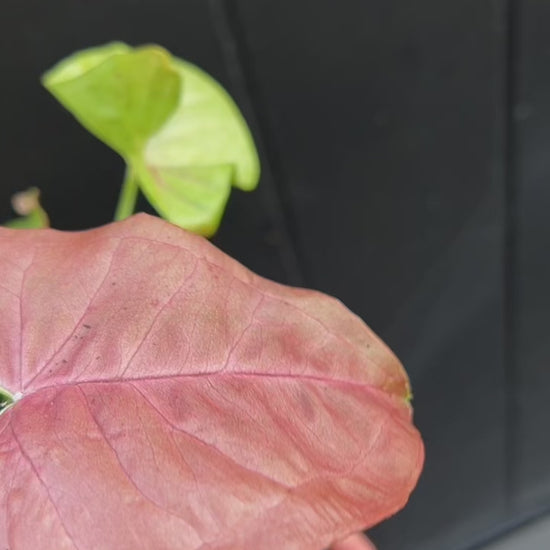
163	396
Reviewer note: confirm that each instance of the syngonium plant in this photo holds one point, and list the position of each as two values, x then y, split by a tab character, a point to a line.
183	139
154	393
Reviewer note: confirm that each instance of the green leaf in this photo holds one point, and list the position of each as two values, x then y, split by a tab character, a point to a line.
122	95
183	137
203	149
206	129
27	205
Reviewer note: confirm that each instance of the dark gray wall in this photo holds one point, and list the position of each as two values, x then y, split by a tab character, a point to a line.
404	149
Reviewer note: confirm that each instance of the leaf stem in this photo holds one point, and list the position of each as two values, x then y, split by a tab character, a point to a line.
128	195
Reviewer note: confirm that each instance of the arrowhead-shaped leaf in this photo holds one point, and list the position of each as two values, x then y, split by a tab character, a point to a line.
183	137
163	396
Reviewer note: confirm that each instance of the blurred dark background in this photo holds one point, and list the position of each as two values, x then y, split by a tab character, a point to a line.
406	170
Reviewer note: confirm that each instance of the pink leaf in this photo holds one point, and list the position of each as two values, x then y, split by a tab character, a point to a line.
168	398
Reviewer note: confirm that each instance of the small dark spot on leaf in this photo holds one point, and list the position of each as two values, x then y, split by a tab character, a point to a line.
98	357
64	360
113	283
87	326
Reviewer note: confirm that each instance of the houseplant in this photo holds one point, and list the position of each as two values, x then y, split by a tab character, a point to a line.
154	393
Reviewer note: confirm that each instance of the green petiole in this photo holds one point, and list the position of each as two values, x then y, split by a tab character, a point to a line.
128	195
